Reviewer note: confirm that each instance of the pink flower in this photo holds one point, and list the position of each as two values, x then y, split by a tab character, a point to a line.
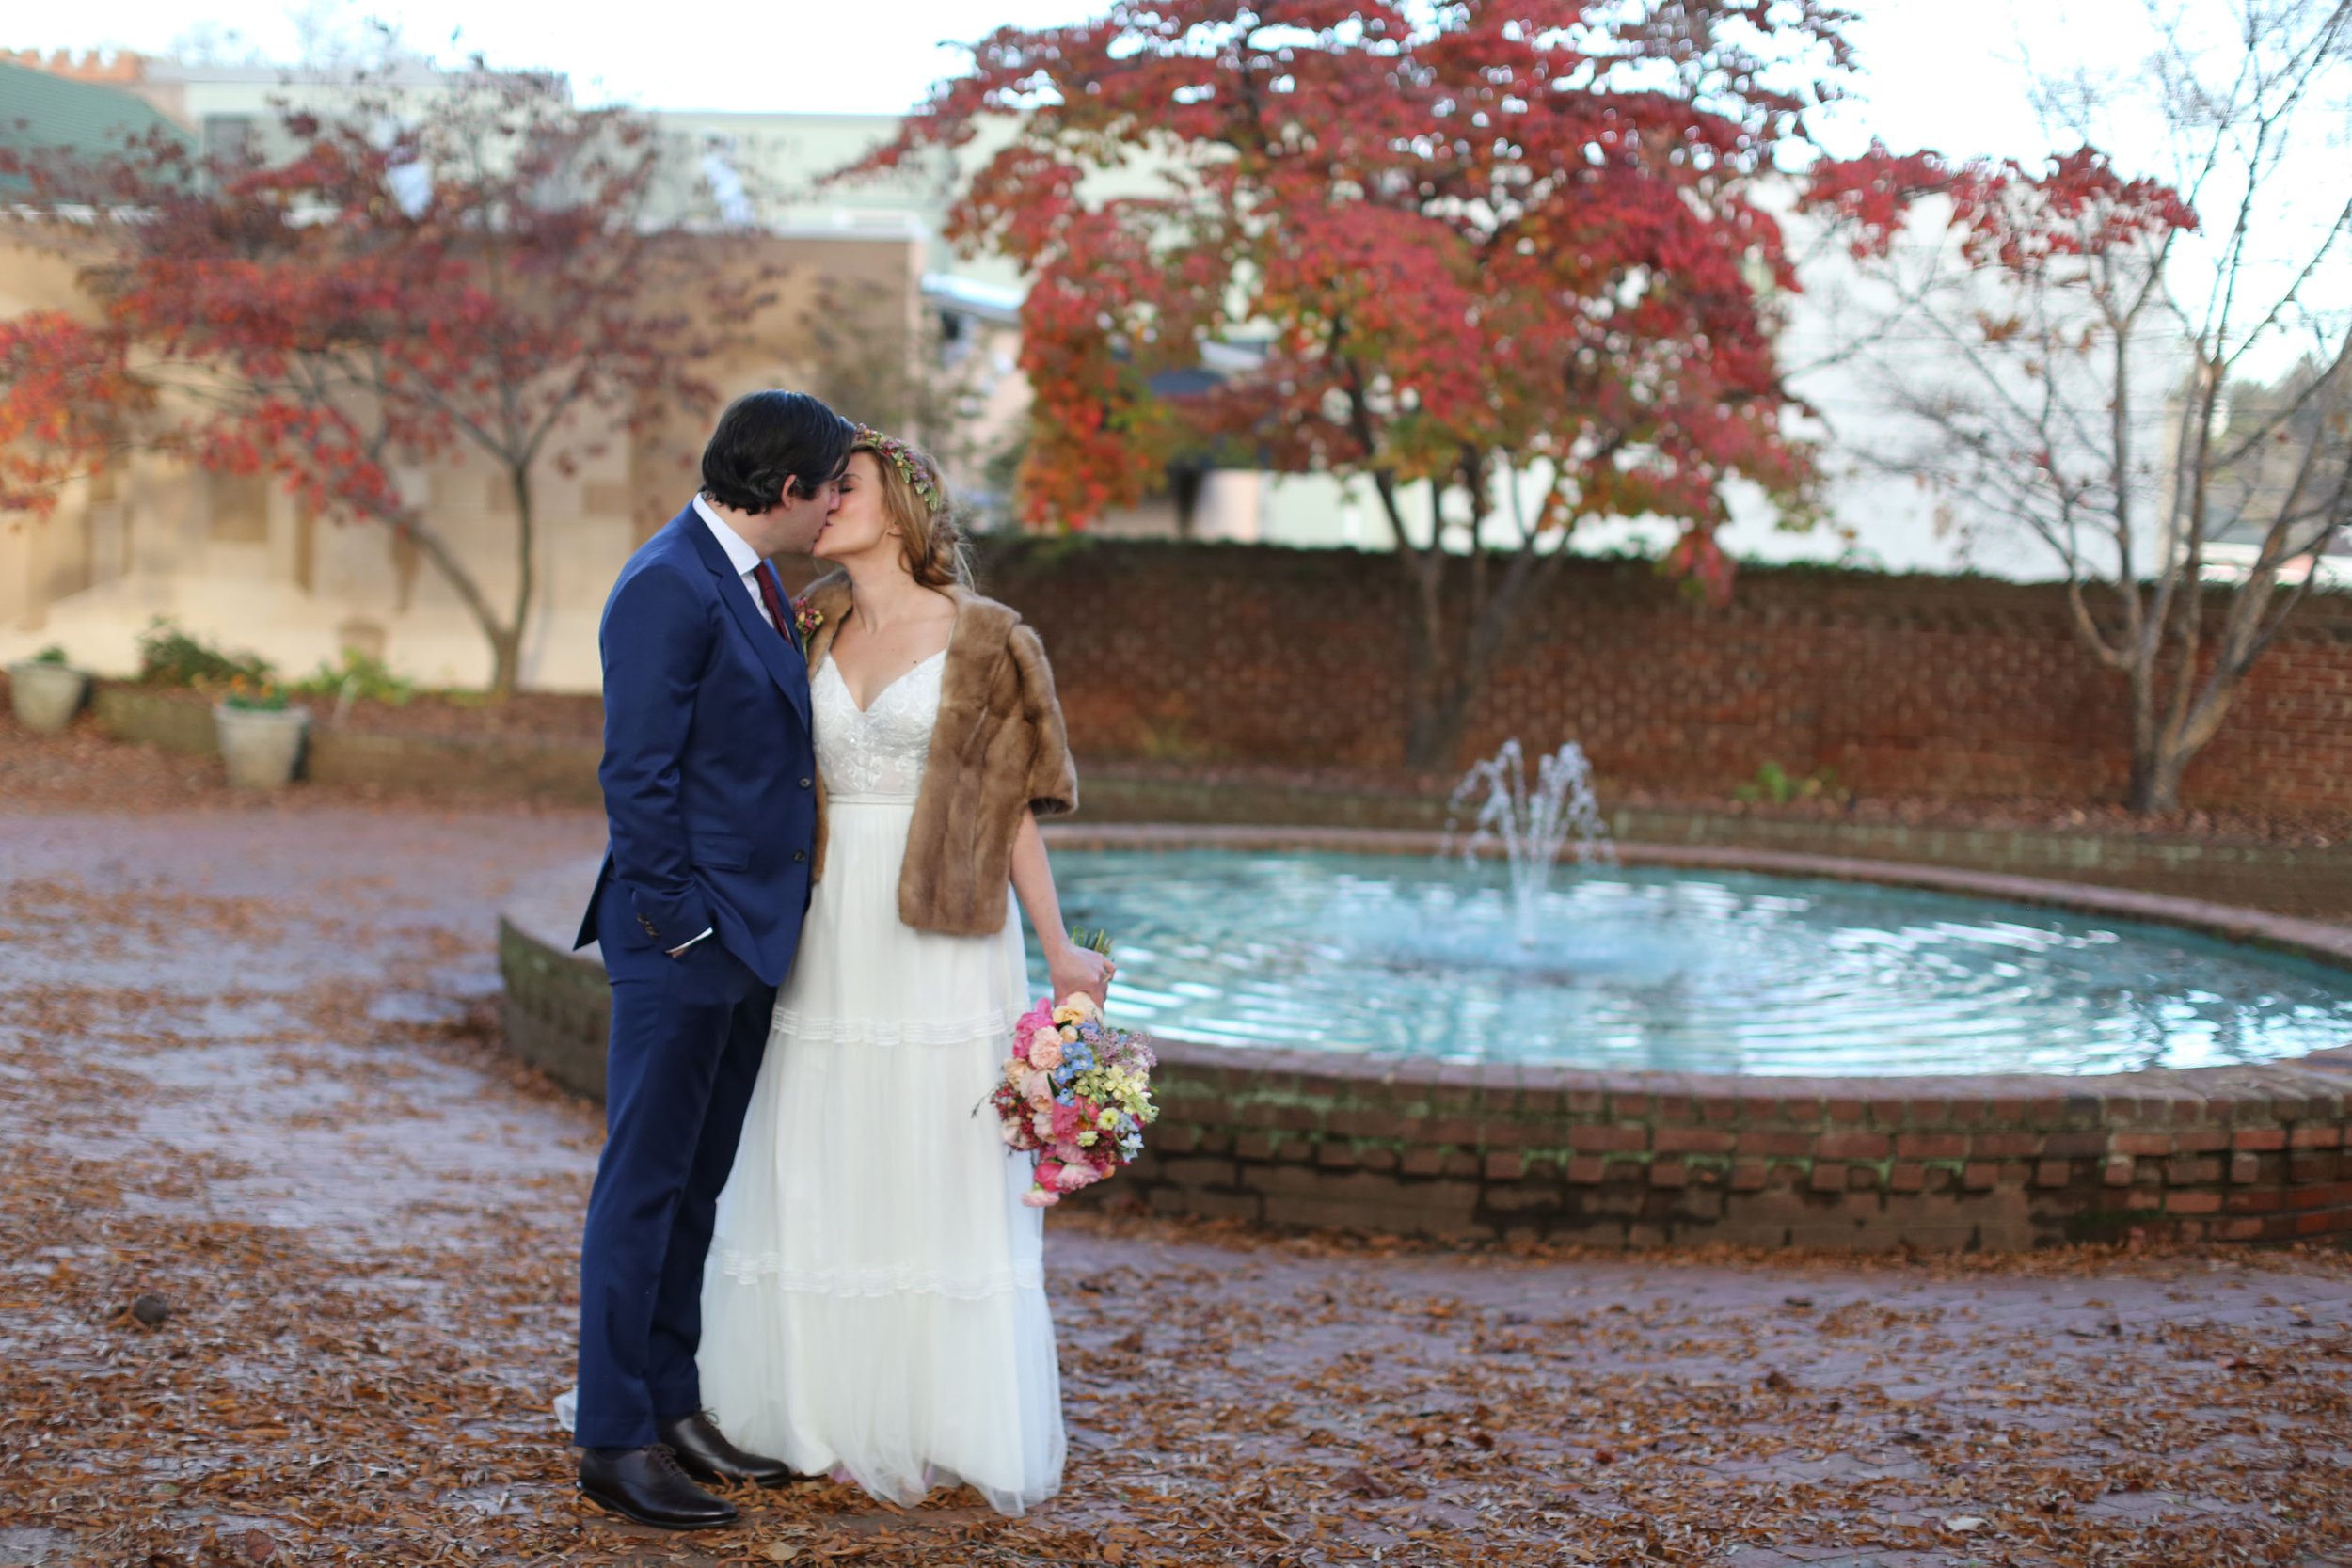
1037	1088
1045	1049
1038	1198
1039	1017
1071	1177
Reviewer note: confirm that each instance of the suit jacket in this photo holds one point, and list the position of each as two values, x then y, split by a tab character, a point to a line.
709	764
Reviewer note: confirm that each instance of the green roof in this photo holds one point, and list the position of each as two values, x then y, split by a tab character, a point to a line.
38	110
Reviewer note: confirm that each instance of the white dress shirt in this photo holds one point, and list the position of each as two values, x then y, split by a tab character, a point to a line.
745	560
741	556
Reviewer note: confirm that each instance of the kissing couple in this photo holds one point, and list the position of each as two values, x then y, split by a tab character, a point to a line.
805	1254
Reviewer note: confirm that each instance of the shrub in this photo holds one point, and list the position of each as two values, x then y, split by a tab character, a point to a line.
359	675
1774	784
51	655
169	656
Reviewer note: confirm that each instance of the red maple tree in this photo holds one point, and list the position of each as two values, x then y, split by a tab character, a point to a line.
1511	252
484	268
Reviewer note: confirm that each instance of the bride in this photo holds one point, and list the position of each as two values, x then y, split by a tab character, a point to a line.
874	1302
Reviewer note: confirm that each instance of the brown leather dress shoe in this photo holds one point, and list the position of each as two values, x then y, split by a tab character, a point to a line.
706	1455
648	1485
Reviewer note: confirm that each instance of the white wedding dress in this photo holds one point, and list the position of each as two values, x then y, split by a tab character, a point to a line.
874	1302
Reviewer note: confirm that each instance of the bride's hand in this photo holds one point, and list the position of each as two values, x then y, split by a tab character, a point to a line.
1080	969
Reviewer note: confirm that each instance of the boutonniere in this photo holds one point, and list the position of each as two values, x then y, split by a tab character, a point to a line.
807	617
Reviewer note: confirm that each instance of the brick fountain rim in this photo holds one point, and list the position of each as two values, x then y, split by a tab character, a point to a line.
1506	1151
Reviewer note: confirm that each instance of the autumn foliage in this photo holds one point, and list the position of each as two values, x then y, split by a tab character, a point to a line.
479	272
2006	214
1512	254
67	392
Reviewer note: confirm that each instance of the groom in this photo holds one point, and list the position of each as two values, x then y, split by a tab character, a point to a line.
710	806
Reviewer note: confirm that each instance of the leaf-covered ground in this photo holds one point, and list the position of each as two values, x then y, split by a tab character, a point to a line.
248	1066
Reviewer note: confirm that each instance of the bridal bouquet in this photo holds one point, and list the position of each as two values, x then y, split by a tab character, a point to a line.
1077	1092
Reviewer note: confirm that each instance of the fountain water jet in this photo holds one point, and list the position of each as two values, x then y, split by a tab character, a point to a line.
1530	827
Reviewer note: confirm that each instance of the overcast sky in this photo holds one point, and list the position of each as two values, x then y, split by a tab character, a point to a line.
1937	73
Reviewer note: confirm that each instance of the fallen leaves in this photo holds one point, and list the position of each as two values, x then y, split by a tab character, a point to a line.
365	1225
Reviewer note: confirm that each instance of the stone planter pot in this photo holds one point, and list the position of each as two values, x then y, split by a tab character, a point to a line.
263	749
47	696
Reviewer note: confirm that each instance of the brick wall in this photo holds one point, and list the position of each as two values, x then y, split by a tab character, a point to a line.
1919	687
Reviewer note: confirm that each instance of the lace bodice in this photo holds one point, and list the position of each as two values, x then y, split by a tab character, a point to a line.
877	755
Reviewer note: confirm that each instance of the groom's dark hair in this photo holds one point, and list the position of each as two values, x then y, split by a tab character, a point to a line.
771	445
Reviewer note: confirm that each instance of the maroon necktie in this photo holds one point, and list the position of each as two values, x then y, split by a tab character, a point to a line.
771	595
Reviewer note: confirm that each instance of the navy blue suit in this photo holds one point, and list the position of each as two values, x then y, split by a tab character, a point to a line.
710	807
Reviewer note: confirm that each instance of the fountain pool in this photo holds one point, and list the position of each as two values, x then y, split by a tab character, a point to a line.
1352	1034
1650	968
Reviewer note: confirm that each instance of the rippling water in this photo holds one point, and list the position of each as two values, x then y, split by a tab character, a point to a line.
1680	970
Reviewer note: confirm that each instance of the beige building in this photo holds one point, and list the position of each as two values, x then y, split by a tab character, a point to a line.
240	562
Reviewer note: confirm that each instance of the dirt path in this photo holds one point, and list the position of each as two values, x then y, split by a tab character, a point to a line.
249	1064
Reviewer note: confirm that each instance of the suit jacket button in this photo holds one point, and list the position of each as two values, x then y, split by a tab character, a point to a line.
807	783
798	855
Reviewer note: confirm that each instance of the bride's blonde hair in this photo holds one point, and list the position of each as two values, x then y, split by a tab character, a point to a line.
914	498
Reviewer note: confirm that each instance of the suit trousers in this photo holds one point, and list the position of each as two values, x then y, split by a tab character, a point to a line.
688	1035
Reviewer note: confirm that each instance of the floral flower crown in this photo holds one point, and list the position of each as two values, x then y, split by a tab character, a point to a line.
912	465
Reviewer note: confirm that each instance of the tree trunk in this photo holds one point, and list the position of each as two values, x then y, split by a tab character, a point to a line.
1435	696
506	656
2158	764
2156	777
1437	712
506	642
1445	676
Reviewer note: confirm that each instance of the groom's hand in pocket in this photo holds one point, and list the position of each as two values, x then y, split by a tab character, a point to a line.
704	971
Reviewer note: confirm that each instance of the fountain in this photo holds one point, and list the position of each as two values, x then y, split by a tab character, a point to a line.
1530	827
1837	1053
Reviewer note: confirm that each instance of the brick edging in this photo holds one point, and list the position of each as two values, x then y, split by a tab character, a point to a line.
2234	1153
